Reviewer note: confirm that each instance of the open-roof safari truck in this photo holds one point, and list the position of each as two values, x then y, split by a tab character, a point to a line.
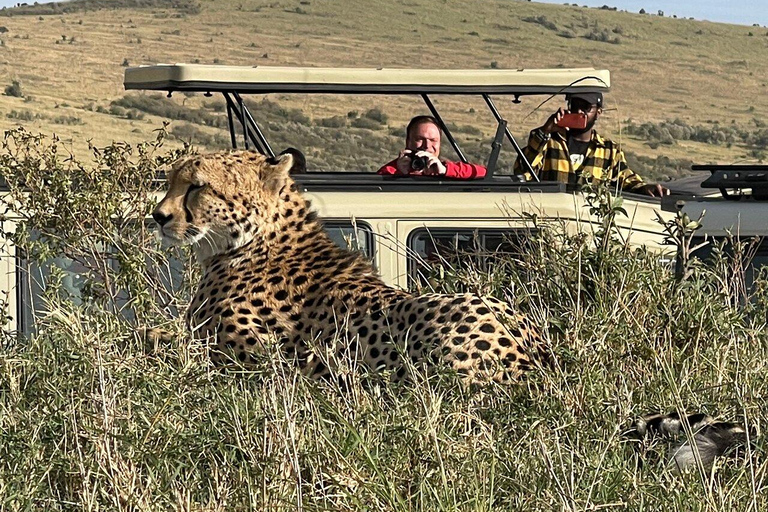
399	222
403	224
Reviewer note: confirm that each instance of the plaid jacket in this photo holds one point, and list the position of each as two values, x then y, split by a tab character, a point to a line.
552	162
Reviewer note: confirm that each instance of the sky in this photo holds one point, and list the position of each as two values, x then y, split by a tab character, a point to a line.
742	12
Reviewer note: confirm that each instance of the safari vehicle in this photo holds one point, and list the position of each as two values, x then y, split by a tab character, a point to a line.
401	223
732	203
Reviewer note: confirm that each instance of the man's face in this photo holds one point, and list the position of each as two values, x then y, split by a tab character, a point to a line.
592	111
424	137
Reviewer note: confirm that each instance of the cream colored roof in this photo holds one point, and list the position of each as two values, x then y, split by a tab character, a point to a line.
263	79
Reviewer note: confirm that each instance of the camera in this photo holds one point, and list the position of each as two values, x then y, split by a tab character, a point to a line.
419	163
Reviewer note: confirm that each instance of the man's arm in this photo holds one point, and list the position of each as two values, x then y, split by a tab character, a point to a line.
463	171
537	145
388	168
631	181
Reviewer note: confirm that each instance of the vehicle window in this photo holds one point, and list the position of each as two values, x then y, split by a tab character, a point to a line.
32	281
755	251
431	252
355	236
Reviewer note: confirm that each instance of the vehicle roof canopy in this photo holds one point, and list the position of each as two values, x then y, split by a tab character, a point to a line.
267	79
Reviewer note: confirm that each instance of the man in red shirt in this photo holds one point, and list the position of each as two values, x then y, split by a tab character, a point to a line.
422	152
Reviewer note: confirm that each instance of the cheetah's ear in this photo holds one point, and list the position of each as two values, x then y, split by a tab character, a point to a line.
275	174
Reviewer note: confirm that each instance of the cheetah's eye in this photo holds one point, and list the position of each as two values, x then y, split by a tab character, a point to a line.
195	186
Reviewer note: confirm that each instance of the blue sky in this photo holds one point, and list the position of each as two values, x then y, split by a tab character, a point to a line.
743	12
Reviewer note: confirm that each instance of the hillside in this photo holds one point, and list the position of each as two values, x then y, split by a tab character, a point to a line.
708	78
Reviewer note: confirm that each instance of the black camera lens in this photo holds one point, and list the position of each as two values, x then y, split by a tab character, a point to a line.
419	163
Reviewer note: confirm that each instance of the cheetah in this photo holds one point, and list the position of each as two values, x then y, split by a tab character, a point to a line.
272	276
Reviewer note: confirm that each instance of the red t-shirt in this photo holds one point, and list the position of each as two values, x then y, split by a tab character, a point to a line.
458	170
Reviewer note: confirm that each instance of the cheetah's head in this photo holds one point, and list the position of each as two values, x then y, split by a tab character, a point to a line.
221	201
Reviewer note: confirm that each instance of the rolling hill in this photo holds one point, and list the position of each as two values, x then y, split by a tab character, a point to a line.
683	90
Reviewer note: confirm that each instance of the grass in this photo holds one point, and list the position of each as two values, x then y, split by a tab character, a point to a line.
694	82
93	417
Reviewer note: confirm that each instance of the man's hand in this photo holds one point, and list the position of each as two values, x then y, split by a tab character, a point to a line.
654	190
551	124
403	163
434	166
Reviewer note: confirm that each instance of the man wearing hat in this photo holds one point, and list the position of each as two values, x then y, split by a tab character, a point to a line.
575	155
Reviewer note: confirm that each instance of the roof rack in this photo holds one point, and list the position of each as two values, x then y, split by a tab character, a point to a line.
739	178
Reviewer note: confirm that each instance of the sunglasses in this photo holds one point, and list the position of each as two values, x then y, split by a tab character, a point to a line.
576	105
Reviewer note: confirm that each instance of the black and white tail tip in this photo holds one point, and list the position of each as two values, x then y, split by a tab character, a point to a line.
711	439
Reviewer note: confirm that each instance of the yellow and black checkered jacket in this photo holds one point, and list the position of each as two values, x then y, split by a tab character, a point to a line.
552	162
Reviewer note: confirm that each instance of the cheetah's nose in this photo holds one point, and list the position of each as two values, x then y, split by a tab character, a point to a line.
161	218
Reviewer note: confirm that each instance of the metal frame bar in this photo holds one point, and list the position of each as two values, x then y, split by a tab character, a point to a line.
255	127
445	129
231	123
236	109
498	141
244	124
499	119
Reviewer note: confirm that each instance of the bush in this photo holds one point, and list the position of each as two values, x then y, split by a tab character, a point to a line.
68	120
666	132
332	122
192	135
602	35
365	122
541	20
376	115
14	90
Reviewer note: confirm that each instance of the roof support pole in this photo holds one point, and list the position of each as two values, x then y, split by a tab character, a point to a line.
520	155
240	112
243	120
231	123
266	149
445	129
236	113
498	140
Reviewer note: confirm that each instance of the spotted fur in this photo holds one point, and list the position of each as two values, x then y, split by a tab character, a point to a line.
272	275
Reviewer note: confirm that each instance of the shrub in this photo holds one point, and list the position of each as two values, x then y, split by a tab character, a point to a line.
367	123
541	20
14	90
23	115
69	120
602	35
332	122
377	115
193	135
